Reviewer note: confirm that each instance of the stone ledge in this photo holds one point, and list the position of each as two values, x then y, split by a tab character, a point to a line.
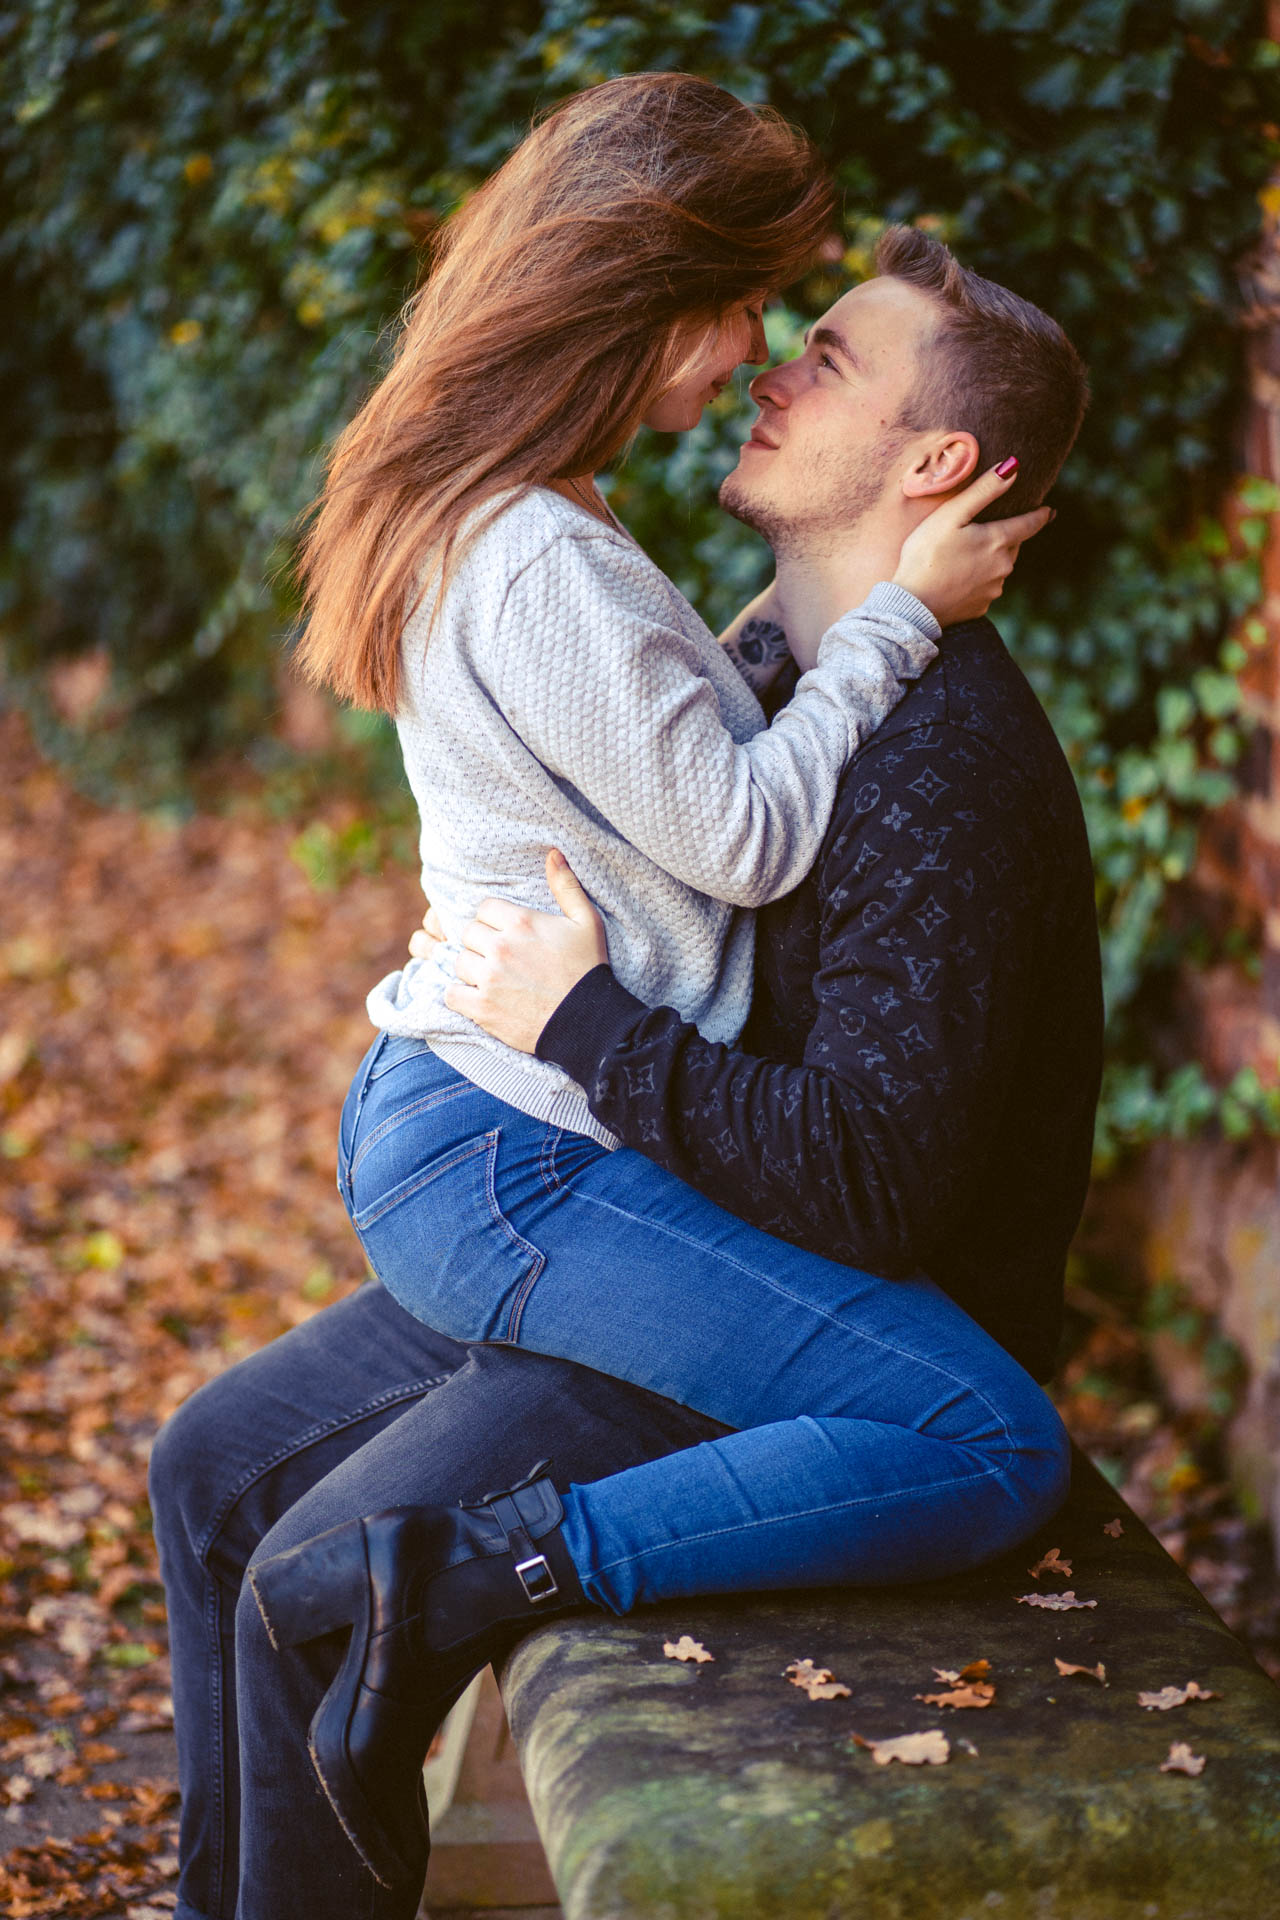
719	1792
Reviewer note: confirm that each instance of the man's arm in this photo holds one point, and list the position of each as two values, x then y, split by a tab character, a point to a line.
929	924
756	642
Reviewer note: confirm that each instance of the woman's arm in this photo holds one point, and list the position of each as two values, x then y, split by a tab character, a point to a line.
592	667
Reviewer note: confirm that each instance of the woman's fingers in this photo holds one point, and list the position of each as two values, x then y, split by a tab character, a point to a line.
980	494
1023	526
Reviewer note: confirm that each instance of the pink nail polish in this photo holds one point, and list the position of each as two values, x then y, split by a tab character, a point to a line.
1007	467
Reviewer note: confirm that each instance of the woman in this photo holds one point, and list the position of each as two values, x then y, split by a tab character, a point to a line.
548	683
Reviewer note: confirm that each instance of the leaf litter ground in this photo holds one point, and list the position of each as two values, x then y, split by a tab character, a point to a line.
182	1012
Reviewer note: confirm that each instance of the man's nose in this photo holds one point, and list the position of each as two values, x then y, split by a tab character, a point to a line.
757	346
770	388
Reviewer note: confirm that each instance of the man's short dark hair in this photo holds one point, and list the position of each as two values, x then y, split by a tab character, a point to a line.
998	367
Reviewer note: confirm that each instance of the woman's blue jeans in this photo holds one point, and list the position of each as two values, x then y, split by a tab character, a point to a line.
885	1436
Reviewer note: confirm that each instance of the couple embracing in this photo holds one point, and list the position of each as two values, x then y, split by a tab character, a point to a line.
716	1167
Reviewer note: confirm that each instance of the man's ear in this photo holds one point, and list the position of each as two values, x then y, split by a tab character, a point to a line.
941	466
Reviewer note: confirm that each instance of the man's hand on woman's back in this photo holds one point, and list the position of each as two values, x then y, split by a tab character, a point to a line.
516	965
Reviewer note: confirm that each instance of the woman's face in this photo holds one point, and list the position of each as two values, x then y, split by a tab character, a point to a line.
715	352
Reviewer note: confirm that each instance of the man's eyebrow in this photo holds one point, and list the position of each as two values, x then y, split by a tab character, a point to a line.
828	337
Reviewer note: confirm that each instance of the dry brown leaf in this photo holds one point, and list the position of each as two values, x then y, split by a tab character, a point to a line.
1176	1696
980	1694
818	1682
1115	1528
976	1670
1182	1760
686	1648
913	1749
1051	1562
1066	1667
1056	1602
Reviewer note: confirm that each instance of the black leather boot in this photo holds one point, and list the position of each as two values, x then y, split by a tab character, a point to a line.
431	1595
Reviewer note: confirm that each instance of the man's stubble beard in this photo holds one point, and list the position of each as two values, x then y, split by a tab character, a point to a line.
839	494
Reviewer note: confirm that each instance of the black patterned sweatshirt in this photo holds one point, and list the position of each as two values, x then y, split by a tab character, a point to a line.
915	1087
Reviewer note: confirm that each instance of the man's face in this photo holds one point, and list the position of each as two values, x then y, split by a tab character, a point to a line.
823	448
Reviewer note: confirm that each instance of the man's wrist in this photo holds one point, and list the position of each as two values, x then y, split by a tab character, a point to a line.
589	1022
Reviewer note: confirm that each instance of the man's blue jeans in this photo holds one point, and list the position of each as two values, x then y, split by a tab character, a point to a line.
886	1436
358	1409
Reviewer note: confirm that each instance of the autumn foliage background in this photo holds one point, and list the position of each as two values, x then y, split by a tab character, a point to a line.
212	214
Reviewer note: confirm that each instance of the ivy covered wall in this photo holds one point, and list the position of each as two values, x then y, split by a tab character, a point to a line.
212	213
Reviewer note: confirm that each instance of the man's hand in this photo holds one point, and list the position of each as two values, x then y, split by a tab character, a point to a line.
517	965
958	568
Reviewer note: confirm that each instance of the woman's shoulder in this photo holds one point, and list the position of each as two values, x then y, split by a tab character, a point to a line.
518	528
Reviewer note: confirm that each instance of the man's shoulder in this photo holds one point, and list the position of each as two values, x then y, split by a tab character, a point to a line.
974	704
969	744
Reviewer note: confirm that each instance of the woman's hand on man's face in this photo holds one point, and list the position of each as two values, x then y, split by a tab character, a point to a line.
517	965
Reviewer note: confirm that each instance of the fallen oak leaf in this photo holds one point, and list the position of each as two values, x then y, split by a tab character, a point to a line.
686	1648
1182	1760
913	1749
1176	1696
980	1694
1051	1562
1115	1528
1066	1667
1056	1602
818	1682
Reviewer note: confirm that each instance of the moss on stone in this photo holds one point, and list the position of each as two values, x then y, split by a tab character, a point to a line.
721	1793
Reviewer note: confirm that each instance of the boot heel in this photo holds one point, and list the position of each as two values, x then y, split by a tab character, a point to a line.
315	1588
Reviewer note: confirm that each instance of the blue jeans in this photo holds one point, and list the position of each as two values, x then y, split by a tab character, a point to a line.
358	1409
886	1436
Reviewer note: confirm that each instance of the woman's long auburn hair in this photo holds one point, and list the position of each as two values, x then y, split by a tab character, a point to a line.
557	310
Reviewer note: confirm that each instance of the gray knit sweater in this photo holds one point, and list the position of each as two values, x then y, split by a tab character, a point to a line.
570	697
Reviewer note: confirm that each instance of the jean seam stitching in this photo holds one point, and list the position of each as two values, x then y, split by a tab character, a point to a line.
805	1513
797	1300
537	1260
547	1159
218	1864
424	1104
321	1431
370	1216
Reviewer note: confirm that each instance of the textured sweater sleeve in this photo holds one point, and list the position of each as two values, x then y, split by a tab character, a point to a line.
926	956
593	670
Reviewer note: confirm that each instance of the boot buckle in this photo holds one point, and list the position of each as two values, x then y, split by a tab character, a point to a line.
536	1578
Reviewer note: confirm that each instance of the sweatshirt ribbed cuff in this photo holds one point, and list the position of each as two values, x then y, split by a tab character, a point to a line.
593	1018
885	597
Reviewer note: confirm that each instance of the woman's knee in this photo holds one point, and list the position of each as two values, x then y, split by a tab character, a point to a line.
1038	1465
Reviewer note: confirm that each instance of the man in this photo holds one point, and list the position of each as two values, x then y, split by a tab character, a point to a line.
915	1087
913	1093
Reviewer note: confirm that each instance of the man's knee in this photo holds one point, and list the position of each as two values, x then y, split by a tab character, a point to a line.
187	1471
